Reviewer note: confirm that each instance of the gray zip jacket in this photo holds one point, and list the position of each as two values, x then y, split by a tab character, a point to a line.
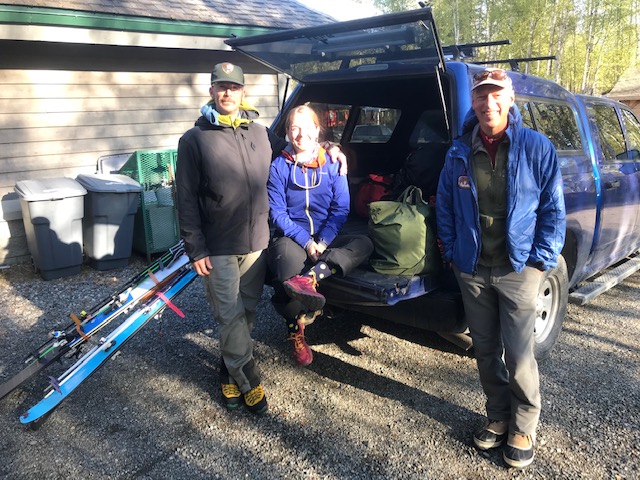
221	184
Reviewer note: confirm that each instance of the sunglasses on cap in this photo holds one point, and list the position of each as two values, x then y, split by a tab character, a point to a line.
495	74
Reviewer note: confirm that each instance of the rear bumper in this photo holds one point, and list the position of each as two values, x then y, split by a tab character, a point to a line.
430	302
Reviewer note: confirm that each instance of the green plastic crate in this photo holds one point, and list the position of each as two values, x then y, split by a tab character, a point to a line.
156	223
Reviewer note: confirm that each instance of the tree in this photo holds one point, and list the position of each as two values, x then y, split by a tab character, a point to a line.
594	41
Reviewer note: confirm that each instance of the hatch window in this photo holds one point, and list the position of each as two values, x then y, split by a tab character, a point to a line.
375	125
371	47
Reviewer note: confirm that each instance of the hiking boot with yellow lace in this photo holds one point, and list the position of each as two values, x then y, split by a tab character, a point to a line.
304	289
302	354
231	395
518	452
256	400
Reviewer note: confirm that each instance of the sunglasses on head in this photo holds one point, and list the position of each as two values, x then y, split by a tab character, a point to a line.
495	74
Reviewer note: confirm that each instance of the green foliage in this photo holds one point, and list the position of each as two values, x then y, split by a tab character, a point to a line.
594	41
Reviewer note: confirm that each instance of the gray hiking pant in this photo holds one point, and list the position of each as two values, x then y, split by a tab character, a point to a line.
500	307
234	288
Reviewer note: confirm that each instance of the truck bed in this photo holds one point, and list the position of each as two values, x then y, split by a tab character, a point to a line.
364	286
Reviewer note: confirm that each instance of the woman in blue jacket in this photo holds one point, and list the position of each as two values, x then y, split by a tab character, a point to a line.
309	203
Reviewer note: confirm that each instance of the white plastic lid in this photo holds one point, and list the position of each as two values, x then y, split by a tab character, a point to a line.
107	182
49	189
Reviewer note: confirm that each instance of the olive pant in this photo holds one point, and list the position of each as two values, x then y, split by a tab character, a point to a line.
234	288
500	308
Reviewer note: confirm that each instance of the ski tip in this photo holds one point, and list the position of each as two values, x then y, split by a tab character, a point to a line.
35	423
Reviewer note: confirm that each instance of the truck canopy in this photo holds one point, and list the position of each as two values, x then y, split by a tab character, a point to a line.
372	46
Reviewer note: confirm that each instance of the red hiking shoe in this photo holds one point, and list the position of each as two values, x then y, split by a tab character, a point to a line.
302	354
303	289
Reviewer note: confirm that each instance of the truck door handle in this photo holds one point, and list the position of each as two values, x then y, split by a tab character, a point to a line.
612	184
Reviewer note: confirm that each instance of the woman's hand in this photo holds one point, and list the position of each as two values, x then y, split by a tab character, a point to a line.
314	250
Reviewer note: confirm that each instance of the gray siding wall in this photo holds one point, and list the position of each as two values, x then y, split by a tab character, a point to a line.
56	123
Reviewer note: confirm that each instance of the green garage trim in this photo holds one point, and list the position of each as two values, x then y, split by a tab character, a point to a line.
75	18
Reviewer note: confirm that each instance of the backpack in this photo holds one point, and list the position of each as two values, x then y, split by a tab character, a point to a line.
404	235
421	169
373	188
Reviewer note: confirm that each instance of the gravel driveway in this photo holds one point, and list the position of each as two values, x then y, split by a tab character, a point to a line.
379	401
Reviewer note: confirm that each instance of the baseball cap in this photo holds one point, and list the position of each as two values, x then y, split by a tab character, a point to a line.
491	76
227	72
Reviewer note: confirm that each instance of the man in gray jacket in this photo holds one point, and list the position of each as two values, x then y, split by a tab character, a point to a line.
223	164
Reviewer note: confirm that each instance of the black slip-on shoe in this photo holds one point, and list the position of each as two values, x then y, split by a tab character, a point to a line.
492	435
518	452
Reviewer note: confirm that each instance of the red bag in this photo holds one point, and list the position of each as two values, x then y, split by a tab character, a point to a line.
372	189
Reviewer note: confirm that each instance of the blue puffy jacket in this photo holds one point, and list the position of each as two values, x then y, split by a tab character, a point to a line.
306	202
535	202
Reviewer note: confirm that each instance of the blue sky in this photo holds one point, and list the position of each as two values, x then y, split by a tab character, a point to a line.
342	9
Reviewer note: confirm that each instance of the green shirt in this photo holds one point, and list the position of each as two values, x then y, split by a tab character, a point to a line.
491	184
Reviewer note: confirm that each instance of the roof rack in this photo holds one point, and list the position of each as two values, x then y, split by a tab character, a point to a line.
464	50
514	62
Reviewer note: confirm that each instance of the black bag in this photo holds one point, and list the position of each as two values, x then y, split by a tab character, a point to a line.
421	169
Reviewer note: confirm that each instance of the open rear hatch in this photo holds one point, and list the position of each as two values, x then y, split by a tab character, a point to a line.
375	44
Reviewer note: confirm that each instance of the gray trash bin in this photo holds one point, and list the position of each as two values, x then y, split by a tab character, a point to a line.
52	211
109	211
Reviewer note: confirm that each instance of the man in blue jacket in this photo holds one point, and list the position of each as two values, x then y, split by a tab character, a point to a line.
501	221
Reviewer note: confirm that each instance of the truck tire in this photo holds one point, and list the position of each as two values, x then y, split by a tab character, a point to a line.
551	309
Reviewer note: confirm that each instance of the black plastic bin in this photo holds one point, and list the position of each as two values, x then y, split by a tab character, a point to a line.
52	212
110	207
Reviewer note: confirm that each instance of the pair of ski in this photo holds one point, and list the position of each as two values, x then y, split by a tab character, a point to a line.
143	297
93	359
68	341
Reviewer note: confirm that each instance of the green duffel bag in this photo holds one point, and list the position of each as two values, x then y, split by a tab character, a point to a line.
403	233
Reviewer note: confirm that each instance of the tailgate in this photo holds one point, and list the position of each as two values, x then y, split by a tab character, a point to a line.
366	287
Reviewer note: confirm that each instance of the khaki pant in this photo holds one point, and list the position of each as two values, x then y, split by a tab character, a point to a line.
234	288
500	308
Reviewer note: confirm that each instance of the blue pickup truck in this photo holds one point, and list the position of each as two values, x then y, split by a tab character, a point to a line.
392	71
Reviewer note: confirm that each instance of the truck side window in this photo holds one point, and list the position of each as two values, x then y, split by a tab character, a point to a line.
525	112
633	134
609	132
558	123
333	118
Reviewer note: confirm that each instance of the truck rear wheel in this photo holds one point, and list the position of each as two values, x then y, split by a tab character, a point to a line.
551	308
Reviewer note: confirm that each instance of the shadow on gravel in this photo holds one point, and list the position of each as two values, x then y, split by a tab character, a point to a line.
614	342
342	327
436	408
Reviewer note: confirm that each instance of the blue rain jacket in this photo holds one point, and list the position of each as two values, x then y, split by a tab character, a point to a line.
535	202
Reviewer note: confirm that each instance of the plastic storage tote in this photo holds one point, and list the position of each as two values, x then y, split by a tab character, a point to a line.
110	206
52	212
156	223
